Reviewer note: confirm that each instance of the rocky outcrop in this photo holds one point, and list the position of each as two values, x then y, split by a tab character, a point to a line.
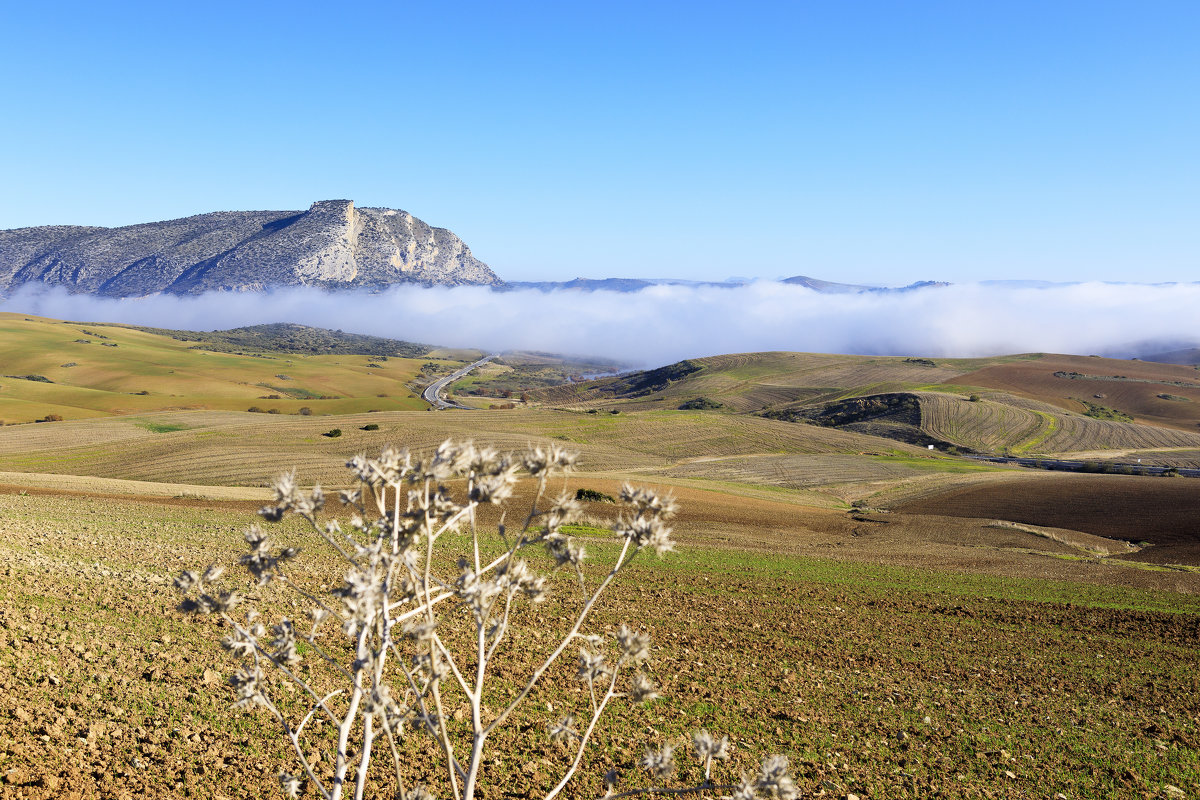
331	245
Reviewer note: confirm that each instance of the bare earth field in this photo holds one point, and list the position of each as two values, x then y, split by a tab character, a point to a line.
1132	386
931	680
1162	512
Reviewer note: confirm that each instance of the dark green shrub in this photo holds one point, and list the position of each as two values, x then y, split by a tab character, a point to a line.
699	404
369	427
333	434
592	496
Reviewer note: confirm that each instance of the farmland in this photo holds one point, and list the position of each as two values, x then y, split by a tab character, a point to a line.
100	370
888	681
901	622
992	424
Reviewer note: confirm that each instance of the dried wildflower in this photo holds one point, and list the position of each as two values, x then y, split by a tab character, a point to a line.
290	784
246	683
392	601
643	690
187	581
634	645
285	643
647	502
746	789
706	746
564	550
563	731
774	779
550	458
611	779
493	489
646	531
592	666
659	763
563	511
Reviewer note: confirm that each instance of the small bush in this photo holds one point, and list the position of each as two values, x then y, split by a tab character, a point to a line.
255	410
369	427
305	411
592	496
333	434
974	398
272	410
700	404
51	418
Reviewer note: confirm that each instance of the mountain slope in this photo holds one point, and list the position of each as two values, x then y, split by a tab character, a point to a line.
332	245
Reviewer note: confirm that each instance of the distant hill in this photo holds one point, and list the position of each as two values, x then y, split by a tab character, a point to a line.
1187	356
287	337
1027	404
331	245
638	284
76	370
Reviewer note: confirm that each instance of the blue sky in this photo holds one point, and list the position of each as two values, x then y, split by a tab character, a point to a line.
872	142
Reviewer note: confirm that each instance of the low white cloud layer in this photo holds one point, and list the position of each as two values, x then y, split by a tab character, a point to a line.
666	323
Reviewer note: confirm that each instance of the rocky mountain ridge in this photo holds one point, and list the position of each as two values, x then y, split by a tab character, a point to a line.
331	245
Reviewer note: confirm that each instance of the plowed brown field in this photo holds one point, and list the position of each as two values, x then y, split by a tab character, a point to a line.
878	681
1162	511
1137	396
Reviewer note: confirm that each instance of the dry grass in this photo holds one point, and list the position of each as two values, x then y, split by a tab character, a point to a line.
104	380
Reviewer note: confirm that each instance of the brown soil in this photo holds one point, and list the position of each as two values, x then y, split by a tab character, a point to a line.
884	691
1138	398
1161	511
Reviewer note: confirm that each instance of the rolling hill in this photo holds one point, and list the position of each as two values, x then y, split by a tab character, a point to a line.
79	370
1025	404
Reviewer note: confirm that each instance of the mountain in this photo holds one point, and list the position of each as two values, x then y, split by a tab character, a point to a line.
331	245
638	284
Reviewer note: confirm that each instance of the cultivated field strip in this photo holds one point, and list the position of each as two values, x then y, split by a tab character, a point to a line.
228	448
990	426
840	478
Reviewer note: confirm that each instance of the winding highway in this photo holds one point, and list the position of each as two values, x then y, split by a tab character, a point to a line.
433	392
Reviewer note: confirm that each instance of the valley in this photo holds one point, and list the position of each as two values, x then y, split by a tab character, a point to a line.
902	621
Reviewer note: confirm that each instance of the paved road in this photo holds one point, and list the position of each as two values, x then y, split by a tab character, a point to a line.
1078	466
433	392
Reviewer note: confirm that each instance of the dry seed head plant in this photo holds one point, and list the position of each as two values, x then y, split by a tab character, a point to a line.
416	629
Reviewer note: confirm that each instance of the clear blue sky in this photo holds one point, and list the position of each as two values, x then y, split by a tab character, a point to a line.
878	142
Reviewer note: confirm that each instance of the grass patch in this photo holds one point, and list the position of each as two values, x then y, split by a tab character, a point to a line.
161	427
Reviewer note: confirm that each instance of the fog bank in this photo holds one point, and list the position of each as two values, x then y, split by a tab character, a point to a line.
662	324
